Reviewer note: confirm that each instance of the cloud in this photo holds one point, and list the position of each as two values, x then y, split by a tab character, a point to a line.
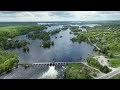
109	12
58	15
61	14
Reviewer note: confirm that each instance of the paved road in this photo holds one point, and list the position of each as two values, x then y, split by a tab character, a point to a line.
102	60
111	74
85	63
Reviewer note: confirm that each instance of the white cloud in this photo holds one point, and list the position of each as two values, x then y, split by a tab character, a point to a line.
58	15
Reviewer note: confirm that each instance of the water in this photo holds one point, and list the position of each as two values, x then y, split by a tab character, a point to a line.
64	50
50	74
35	73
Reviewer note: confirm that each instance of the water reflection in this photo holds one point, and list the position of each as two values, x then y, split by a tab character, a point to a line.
63	50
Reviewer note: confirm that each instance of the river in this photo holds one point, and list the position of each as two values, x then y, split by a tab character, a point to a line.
64	50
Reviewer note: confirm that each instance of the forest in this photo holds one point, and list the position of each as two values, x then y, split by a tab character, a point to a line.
8	59
106	37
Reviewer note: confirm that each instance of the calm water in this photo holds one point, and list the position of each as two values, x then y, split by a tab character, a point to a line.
64	50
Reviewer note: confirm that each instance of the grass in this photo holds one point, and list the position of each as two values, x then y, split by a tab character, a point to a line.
116	77
114	51
23	65
10	29
115	63
78	71
95	54
115	57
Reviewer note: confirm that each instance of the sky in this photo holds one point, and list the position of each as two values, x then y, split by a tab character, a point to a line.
58	15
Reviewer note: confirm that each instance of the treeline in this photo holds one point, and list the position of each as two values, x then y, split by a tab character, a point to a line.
12	31
80	38
52	32
106	37
65	27
38	35
92	62
7	61
8	32
27	29
46	43
75	29
12	44
43	36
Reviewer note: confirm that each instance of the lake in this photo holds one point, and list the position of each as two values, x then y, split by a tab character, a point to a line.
64	50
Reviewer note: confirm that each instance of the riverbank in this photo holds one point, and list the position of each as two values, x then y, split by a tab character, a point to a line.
79	71
7	61
64	50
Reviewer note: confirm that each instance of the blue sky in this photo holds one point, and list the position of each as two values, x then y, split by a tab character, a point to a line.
59	15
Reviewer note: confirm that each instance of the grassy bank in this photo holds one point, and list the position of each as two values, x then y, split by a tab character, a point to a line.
8	32
102	36
116	77
7	61
78	71
94	63
105	37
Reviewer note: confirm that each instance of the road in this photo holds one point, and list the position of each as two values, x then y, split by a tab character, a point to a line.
102	60
85	63
110	74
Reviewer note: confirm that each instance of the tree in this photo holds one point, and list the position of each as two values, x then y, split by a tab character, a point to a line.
111	55
105	69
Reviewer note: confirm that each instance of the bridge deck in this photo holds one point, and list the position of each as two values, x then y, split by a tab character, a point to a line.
47	63
55	62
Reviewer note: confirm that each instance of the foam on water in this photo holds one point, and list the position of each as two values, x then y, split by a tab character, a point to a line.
50	74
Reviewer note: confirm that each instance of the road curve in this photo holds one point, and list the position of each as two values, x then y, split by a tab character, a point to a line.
110	74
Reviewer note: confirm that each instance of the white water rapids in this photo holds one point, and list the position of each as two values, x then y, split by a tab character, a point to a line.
50	74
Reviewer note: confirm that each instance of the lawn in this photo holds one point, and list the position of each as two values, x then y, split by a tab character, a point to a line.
8	29
116	77
78	71
115	63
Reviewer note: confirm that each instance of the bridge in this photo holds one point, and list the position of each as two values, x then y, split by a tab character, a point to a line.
51	64
46	64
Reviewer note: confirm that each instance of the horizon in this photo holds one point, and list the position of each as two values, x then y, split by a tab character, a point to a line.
50	16
63	21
